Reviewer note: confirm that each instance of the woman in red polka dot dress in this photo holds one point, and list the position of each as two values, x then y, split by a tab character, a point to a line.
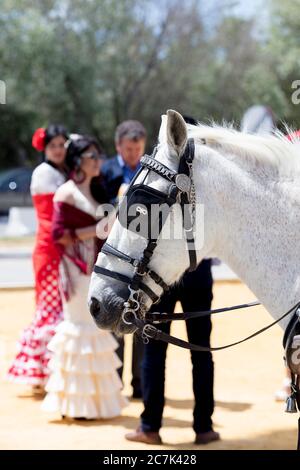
84	382
31	363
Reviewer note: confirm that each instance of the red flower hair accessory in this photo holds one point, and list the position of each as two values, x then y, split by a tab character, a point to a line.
38	139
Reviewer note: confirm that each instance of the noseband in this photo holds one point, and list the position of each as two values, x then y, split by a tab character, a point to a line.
182	190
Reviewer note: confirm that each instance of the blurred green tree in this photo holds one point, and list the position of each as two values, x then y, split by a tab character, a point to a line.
91	64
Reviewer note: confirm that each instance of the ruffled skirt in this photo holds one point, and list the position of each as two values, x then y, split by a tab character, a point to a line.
30	366
84	381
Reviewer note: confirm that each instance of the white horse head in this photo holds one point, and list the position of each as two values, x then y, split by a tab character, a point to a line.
249	187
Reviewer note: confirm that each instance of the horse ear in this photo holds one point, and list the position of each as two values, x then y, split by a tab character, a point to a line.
176	131
162	136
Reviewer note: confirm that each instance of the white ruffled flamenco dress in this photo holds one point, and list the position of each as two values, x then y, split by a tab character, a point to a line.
84	382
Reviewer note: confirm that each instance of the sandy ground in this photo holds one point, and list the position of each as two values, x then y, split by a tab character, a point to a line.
246	378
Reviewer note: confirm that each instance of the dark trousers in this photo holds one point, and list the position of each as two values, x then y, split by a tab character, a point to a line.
194	295
136	361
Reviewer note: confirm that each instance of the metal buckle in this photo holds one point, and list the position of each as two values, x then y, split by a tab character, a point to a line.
132	299
152	317
183	182
126	312
146	336
128	306
136	271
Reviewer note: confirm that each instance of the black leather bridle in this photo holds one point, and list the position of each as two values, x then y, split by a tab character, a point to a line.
181	189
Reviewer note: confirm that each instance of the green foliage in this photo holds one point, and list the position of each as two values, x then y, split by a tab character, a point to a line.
90	64
284	48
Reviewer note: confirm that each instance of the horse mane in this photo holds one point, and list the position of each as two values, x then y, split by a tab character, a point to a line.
274	153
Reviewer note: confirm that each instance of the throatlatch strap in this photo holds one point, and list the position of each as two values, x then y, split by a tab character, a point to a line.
187	157
188	230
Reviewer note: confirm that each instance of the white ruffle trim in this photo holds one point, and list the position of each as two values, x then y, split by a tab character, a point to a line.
101	363
31	364
26	380
41	336
83	384
83	380
76	406
81	339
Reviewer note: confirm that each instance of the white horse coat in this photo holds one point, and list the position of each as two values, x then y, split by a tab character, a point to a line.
249	187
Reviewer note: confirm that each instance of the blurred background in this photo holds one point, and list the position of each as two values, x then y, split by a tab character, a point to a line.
91	64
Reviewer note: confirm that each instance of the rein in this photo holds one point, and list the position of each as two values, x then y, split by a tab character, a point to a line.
149	331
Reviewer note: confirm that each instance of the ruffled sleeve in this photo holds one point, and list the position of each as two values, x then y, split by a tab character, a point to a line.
45	179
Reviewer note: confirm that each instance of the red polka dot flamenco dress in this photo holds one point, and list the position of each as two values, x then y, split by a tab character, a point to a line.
30	366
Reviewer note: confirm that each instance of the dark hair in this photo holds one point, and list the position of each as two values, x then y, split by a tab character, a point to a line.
55	130
132	130
76	147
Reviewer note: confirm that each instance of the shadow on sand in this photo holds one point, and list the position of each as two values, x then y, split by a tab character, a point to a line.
189	405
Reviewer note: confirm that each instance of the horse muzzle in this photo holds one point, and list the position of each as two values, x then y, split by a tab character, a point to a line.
108	316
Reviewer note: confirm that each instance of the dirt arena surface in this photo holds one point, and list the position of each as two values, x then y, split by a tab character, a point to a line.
246	378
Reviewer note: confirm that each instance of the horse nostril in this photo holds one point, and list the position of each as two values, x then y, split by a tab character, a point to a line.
94	307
